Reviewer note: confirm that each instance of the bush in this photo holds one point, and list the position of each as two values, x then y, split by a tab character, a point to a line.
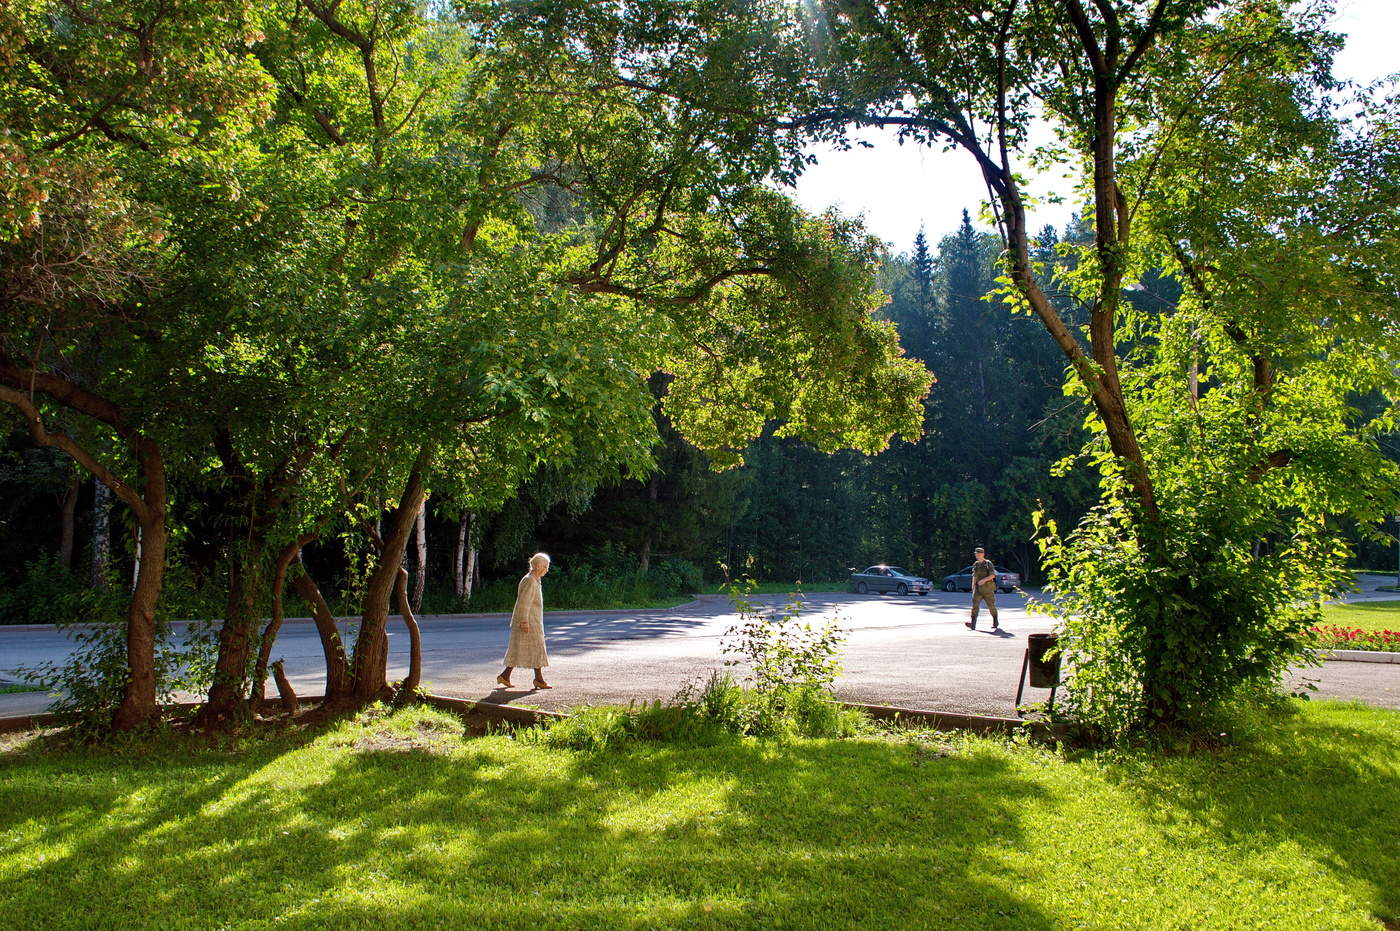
1161	633
792	666
704	715
600	578
50	594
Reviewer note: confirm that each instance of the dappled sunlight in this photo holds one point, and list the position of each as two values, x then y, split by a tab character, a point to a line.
340	828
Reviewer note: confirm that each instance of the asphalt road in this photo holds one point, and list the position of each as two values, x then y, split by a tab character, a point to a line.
912	651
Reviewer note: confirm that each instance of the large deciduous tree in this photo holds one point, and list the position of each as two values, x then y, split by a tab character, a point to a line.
1145	98
99	102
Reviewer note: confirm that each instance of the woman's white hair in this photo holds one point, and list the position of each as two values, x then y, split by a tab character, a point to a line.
538	559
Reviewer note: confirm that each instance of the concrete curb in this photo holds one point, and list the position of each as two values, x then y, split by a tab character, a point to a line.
1361	656
955	721
510	716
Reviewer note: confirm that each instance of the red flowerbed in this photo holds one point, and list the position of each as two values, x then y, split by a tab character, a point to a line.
1354	638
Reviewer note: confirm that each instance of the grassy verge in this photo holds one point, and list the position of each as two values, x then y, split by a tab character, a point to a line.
1366	615
399	822
10	688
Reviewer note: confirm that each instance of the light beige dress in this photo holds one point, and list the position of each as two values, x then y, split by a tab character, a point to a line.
526	649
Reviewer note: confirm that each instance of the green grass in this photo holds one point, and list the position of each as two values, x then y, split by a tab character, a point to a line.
399	822
10	688
1367	615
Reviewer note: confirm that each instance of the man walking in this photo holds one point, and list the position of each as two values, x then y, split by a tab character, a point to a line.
984	587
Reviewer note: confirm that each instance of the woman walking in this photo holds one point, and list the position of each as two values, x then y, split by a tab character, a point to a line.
526	646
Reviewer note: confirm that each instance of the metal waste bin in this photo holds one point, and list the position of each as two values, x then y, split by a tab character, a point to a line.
1045	673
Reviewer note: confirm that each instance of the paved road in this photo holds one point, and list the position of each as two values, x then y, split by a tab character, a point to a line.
912	651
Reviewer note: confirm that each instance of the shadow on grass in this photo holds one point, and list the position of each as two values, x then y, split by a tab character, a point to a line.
499	834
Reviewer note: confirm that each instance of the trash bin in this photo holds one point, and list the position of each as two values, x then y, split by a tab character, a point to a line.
1045	673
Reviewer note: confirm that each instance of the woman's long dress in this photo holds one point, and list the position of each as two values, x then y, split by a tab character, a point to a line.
526	649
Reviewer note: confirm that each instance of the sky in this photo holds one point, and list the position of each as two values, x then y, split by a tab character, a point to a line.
898	188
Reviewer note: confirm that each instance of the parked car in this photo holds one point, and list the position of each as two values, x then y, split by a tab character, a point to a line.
962	581
889	579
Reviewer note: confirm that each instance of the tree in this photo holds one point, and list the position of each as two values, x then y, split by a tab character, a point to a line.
95	101
975	76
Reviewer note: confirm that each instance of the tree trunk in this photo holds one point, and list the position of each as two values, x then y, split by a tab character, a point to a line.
337	665
138	704
369	667
653	495
415	641
290	704
101	533
68	515
461	575
225	703
256	692
420	529
135	555
473	570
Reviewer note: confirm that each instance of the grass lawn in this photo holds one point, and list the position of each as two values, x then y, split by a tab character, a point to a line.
399	822
1367	615
11	688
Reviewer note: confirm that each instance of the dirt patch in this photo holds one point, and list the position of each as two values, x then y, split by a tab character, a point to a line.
425	737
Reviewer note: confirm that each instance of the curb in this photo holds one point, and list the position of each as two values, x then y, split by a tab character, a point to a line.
955	721
506	715
511	716
1361	656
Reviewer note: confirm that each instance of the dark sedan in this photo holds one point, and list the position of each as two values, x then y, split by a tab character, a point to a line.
889	579
962	581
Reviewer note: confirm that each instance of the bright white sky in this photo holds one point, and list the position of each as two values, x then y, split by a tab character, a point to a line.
898	188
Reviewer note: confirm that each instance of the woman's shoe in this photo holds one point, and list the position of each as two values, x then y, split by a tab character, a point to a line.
504	682
541	684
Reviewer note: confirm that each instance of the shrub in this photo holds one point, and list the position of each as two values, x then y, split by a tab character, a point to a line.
1161	632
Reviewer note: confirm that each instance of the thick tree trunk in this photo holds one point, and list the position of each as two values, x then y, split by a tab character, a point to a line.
101	533
67	519
420	579
225	703
415	641
369	668
337	665
138	704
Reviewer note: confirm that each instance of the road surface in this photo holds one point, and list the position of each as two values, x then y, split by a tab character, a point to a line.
912	651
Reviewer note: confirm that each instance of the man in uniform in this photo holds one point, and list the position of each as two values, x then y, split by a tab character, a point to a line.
984	587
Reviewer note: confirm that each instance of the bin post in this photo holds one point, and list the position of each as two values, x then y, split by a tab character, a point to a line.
1044	673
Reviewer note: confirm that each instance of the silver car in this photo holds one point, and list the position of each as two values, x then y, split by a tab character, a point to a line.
1007	580
889	579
